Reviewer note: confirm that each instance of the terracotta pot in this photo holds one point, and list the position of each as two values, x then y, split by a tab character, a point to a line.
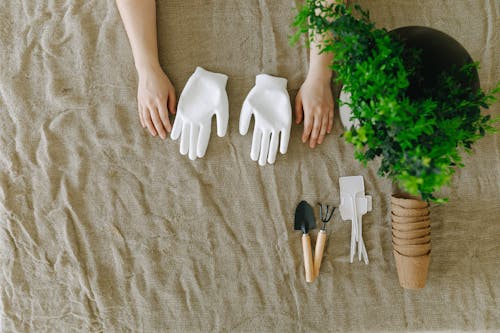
411	234
411	241
408	212
411	226
401	201
408	219
413	250
412	271
420	240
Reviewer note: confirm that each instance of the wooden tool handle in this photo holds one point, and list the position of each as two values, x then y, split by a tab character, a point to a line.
318	251
308	260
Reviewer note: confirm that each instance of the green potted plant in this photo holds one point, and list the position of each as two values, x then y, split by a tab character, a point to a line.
415	104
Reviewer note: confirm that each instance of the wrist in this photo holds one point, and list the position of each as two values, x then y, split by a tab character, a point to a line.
144	68
321	76
319	65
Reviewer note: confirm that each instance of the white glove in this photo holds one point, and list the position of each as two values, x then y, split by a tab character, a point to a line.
203	96
269	102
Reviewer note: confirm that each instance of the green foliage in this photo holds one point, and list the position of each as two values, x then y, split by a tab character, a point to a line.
418	140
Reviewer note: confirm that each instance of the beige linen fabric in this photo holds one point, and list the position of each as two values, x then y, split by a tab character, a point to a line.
107	229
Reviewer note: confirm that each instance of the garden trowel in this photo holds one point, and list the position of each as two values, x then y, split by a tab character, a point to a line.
304	221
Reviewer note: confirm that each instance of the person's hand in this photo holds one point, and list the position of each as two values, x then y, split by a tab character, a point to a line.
314	105
155	97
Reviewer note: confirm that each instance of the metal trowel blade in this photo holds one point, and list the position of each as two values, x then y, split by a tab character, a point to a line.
304	217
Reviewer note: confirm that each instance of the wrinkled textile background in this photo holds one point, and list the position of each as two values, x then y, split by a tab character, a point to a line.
106	229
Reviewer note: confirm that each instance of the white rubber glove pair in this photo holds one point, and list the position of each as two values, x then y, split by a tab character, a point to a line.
205	95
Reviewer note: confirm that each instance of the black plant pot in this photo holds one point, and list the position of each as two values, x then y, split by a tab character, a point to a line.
439	53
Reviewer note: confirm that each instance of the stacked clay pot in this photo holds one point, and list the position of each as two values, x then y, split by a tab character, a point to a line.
411	240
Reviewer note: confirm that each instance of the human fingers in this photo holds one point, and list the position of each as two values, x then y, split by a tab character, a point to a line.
299	112
308	126
139	109
155	117
315	132
172	100
162	110
330	121
149	123
322	131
